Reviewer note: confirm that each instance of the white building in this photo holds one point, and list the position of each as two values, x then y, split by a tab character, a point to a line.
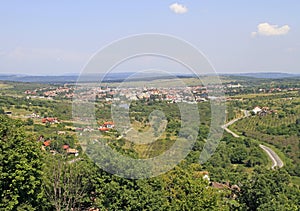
257	110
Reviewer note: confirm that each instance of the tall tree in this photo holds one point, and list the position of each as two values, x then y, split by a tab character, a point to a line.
185	189
20	168
66	182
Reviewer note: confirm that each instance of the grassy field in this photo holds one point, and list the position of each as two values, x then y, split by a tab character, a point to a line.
166	82
262	94
5	86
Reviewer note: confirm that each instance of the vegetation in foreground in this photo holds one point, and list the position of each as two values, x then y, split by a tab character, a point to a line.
39	175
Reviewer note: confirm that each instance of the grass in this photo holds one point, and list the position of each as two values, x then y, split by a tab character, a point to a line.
167	82
255	95
5	86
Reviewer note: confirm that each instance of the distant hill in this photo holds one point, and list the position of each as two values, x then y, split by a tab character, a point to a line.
72	78
119	77
270	75
37	79
62	78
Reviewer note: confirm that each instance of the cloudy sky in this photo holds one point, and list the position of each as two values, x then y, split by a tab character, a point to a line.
59	37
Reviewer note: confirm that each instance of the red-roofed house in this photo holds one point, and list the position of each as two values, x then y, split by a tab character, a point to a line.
50	120
47	143
65	146
107	126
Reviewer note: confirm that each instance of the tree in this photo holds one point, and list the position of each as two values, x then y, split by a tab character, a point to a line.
269	190
182	188
66	183
29	122
185	189
239	154
20	168
116	193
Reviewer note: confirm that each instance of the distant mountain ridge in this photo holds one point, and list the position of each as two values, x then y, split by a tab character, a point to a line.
119	77
72	78
61	78
266	75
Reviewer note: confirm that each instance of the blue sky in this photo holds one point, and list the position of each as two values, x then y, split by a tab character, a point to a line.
59	37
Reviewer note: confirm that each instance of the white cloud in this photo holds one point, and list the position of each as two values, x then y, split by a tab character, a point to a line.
266	29
178	8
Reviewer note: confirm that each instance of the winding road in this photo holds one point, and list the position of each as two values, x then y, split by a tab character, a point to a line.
272	155
225	127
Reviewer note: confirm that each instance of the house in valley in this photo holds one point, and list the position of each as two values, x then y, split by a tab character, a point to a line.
107	126
256	110
51	120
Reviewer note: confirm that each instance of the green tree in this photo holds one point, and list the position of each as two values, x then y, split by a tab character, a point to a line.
29	121
185	189
20	168
182	188
239	154
269	190
67	182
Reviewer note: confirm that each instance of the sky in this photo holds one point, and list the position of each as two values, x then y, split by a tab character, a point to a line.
59	37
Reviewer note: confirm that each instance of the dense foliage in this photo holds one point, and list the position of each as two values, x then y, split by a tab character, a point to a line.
20	168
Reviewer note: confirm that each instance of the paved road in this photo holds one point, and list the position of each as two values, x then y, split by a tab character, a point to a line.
273	156
225	127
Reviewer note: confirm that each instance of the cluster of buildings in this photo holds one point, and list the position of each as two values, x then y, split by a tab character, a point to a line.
230	86
107	126
46	145
176	94
263	111
218	185
51	92
272	90
29	92
173	94
51	120
58	92
33	116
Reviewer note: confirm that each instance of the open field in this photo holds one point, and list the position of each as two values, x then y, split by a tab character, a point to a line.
5	86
